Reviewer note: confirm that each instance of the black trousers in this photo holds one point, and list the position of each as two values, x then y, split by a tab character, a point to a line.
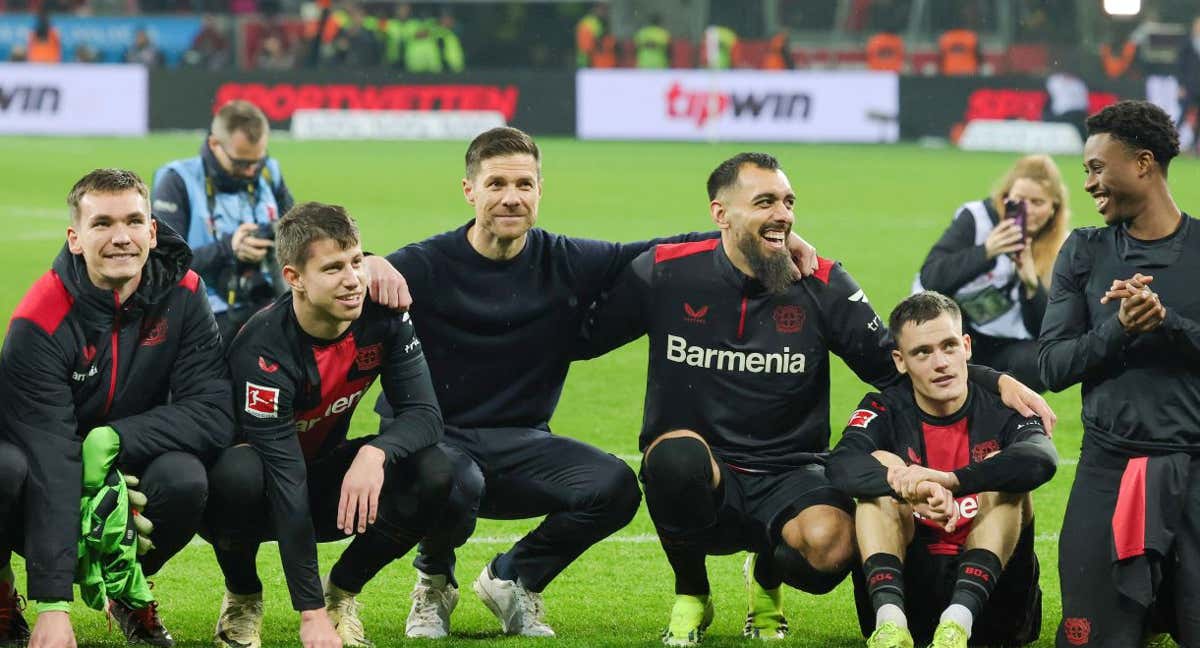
1095	613
1017	357
585	493
176	489
237	520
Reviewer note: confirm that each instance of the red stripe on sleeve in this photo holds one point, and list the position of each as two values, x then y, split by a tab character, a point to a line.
191	281
46	304
824	267
1129	517
668	251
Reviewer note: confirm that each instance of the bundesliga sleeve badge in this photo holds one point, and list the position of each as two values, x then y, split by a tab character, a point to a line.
861	418
262	402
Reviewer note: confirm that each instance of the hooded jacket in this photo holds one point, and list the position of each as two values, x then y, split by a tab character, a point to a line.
75	358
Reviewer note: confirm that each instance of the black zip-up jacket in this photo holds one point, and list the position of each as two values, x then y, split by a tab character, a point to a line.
747	370
1141	393
295	395
960	443
74	359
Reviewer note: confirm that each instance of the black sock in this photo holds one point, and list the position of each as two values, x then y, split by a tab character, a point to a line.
765	573
241	575
367	554
504	568
885	580
978	571
691	574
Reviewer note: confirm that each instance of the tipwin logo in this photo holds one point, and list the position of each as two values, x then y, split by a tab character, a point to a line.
701	106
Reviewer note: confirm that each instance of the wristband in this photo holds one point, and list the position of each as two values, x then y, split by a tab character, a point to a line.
53	606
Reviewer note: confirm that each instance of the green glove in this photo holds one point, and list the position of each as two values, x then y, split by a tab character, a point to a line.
100	449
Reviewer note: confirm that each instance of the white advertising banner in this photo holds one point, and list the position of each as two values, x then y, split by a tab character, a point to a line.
736	105
73	99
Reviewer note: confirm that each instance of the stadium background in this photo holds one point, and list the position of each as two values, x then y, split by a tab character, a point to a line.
875	207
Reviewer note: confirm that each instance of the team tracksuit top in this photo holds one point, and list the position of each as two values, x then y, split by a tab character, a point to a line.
294	397
75	359
500	335
1141	393
893	422
747	370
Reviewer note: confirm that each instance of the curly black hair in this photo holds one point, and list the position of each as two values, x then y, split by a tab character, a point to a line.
1139	125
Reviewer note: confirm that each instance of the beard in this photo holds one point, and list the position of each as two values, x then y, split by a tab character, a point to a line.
772	269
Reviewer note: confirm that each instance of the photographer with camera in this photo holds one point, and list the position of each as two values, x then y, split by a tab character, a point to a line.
225	201
996	259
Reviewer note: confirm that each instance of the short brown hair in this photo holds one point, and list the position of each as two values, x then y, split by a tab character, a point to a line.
106	181
240	115
503	140
309	222
920	308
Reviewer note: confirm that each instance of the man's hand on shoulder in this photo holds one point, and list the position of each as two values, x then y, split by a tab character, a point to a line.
386	285
1026	402
52	630
316	631
804	255
360	490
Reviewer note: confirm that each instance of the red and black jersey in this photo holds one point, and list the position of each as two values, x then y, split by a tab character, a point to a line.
747	370
1022	457
75	358
294	396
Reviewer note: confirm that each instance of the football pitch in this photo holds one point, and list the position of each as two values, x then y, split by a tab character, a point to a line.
876	209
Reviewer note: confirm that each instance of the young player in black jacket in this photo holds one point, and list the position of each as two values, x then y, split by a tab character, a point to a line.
300	368
736	420
943	447
1124	320
117	334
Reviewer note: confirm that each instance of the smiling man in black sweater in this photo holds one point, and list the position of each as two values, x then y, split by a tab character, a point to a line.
498	304
1123	319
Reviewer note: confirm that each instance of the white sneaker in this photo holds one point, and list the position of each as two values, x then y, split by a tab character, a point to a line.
343	608
519	610
433	599
239	625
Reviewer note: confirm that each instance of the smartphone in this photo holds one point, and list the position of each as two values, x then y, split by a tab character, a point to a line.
1015	209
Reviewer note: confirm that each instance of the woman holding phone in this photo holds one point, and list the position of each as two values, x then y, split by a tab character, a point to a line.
996	259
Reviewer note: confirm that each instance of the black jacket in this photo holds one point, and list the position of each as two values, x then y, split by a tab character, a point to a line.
295	395
747	370
74	359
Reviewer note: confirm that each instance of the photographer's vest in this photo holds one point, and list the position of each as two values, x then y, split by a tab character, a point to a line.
991	301
215	214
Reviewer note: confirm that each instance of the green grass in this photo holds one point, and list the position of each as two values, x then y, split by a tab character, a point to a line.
876	209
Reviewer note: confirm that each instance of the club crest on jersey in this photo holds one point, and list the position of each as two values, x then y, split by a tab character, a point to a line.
1078	630
262	402
369	357
788	319
980	451
694	315
154	332
861	418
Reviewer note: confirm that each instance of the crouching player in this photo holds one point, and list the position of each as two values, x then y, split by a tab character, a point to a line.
960	460
300	367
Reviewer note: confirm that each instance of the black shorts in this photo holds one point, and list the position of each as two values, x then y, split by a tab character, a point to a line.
1012	616
755	506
